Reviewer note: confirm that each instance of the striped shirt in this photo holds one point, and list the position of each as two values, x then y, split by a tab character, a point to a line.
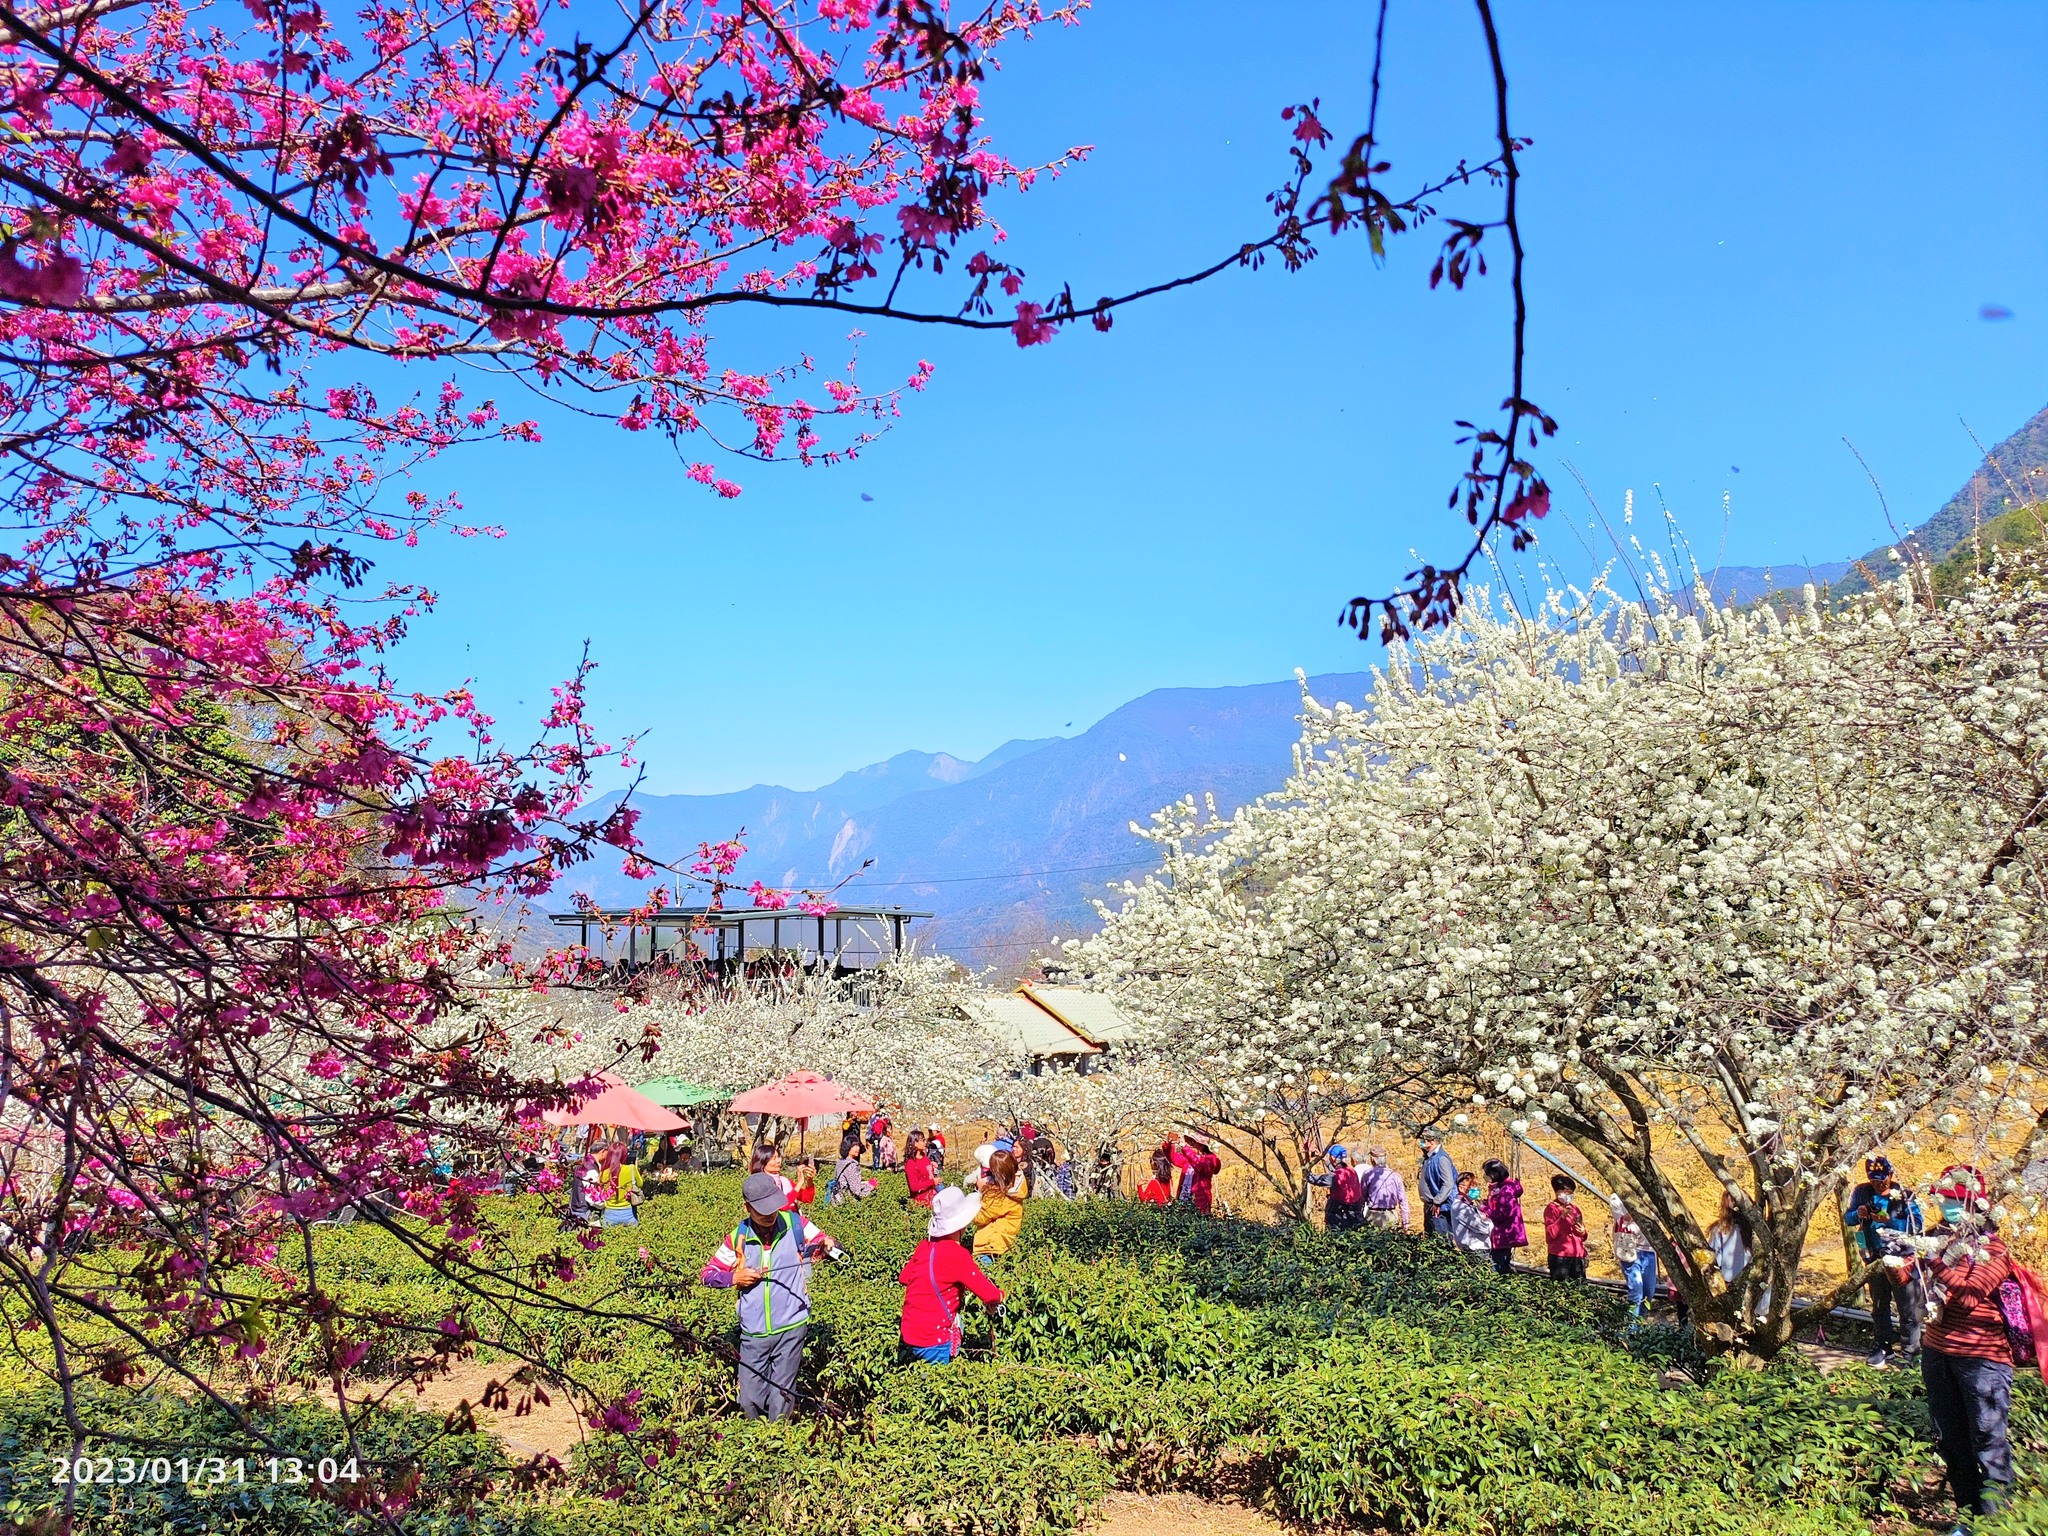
1971	1324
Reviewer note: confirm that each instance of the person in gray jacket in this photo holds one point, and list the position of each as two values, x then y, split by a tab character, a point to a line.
767	1258
1437	1184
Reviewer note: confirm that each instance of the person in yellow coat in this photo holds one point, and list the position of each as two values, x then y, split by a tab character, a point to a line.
1001	1216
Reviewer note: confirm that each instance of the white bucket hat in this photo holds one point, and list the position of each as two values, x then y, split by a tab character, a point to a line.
952	1209
984	1152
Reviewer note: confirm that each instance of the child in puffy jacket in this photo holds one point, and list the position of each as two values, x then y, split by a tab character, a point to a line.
1504	1210
1564	1230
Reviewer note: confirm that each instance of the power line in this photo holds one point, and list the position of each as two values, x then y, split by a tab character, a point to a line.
1015	874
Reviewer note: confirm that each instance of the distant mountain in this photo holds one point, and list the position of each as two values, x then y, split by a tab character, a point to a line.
785	826
1008	850
2013	474
1743	584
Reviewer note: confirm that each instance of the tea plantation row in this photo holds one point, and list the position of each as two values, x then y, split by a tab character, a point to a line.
1368	1380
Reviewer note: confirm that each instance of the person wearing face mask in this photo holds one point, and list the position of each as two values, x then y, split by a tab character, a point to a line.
1966	1353
1438	1184
766	1261
1564	1230
1876	1206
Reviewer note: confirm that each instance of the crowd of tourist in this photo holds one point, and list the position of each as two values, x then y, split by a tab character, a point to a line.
1946	1294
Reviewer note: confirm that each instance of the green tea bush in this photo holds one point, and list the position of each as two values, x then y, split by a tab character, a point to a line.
252	1500
909	1477
1366	1380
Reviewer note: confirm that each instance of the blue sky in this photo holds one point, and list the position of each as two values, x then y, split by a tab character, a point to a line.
1754	229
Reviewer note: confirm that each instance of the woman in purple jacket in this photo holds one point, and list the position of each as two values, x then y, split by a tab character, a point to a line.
1504	1208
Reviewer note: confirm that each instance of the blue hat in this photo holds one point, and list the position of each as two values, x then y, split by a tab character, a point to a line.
1004	1144
1338	1152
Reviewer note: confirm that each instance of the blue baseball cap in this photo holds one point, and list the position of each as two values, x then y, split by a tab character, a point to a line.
1338	1152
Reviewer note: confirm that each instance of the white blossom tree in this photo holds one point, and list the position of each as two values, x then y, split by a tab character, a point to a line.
1749	892
1243	960
1097	1117
898	1033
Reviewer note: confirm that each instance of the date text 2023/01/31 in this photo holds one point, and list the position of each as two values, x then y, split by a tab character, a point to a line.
207	1470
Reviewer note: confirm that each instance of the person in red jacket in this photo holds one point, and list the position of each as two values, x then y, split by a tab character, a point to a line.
936	1277
917	1169
1564	1230
803	1189
1160	1190
1198	1167
1965	1353
1345	1211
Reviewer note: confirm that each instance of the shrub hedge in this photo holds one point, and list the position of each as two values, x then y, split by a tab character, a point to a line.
1364	1379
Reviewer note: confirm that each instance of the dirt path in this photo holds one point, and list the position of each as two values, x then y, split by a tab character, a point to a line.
554	1428
1178	1514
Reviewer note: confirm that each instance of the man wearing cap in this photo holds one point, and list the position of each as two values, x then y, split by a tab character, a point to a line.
936	1276
1437	1184
1879	1205
1345	1210
1967	1366
767	1258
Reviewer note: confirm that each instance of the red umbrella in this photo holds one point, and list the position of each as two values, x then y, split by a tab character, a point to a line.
617	1105
800	1096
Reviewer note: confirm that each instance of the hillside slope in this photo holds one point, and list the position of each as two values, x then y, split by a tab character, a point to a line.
2013	474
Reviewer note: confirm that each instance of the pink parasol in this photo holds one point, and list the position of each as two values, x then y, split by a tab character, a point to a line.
617	1105
800	1096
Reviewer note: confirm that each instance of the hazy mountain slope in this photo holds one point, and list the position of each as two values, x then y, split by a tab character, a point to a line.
1006	854
1742	584
783	825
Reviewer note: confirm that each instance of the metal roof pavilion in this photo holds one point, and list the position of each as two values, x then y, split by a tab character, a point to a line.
734	922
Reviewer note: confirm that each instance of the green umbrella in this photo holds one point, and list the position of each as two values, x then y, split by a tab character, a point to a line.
674	1093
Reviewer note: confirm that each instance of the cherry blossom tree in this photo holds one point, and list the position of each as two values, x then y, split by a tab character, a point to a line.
228	939
1730	892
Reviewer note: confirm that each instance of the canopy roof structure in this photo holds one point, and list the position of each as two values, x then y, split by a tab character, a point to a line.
799	1096
1029	1029
617	1105
674	1093
1093	1016
846	936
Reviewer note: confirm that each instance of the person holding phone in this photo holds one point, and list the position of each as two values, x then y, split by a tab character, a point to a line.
767	1259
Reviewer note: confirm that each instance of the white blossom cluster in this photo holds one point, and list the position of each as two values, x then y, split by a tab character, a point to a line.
1753	889
1097	1119
899	1033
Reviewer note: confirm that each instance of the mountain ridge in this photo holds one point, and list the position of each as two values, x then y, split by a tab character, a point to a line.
994	851
2012	474
1001	849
